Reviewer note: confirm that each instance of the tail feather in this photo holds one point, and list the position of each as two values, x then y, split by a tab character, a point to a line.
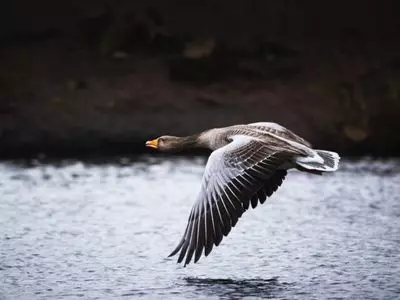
331	159
325	161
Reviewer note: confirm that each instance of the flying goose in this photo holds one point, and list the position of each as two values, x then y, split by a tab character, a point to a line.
247	165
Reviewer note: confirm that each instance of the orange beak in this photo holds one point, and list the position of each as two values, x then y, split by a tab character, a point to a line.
152	144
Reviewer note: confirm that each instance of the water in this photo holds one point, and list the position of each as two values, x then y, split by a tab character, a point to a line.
103	231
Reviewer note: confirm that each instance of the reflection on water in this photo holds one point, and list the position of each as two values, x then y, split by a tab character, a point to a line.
103	230
237	289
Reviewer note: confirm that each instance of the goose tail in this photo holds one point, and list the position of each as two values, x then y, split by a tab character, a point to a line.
322	161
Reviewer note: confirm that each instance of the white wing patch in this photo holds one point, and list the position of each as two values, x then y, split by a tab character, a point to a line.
215	163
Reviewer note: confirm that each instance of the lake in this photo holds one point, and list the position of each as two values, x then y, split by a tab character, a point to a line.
103	230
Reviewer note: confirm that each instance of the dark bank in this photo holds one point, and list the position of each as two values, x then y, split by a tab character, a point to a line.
83	78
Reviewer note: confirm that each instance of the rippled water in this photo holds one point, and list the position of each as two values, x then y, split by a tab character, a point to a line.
104	230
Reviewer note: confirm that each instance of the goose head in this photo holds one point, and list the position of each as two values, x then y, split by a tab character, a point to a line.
167	143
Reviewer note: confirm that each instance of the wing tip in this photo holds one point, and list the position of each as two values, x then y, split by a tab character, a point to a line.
176	250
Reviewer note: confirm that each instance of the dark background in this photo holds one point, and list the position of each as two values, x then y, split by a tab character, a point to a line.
82	78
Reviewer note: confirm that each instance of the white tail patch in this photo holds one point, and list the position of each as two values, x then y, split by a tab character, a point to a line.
325	161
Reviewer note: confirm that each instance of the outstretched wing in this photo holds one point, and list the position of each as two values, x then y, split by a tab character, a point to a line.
244	169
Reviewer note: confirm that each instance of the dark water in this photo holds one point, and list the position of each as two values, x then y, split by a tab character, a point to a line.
103	232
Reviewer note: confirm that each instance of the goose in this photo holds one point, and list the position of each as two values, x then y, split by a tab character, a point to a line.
247	165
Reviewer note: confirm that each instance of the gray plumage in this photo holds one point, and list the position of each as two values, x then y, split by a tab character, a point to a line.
247	165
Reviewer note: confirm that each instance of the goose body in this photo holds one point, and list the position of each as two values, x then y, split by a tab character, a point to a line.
247	165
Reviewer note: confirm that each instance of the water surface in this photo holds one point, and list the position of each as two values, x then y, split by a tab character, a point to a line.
103	231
